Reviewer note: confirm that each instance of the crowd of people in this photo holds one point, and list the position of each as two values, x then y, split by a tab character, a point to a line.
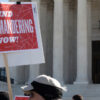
43	87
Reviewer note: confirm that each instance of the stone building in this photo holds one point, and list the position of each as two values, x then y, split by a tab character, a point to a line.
71	39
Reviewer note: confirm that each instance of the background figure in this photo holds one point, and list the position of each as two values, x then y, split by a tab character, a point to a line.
4	95
77	97
44	87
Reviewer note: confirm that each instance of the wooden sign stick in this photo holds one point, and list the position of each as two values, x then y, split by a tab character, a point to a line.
8	76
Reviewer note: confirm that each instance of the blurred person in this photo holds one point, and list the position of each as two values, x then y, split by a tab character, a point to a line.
4	95
77	97
44	87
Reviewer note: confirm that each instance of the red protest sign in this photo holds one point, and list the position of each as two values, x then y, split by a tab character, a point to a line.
20	31
17	27
21	98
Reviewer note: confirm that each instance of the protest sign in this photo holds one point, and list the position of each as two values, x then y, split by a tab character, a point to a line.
20	35
20	38
17	27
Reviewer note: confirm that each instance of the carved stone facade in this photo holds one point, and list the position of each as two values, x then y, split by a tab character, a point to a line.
71	40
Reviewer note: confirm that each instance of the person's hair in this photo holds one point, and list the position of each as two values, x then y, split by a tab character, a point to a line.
77	97
4	95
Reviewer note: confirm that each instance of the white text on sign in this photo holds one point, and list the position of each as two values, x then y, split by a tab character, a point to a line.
8	39
6	14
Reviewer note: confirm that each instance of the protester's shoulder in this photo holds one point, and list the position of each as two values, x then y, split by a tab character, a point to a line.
4	95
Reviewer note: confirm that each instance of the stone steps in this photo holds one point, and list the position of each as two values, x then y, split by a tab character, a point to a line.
89	92
85	98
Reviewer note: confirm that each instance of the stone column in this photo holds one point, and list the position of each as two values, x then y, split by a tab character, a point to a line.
89	41
33	72
58	40
82	43
66	41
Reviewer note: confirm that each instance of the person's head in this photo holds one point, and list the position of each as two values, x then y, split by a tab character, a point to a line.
44	87
4	95
77	97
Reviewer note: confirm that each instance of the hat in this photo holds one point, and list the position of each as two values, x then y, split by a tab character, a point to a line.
46	86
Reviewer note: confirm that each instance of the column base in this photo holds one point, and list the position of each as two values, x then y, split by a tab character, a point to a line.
81	82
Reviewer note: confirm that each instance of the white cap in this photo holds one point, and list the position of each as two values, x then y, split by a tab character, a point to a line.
44	79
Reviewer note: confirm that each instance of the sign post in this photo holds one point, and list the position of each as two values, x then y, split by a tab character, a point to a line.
8	76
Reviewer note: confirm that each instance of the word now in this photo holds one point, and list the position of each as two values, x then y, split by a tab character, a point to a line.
8	39
6	14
